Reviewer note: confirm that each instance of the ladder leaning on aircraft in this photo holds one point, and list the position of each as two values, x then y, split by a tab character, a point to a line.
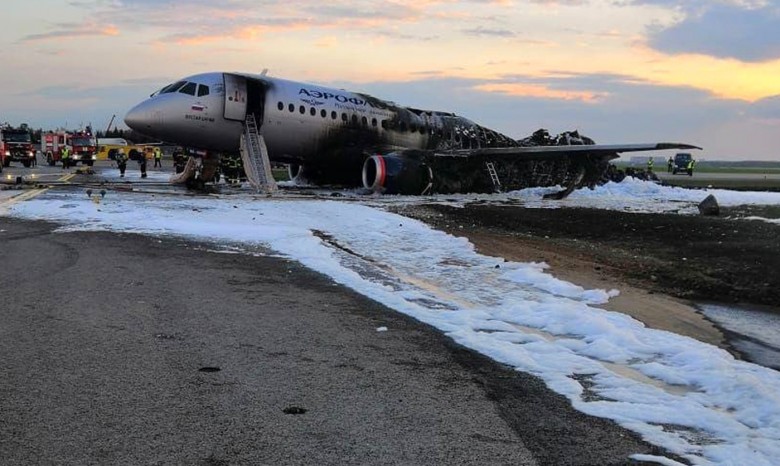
331	136
254	153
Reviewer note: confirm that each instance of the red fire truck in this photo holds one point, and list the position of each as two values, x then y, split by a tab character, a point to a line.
83	146
16	146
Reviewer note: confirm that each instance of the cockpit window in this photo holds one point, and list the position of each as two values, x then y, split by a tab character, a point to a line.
173	87
189	88
203	90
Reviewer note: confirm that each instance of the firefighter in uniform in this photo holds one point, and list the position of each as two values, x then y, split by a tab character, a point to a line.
179	159
157	157
231	174
65	156
142	163
690	168
650	164
121	162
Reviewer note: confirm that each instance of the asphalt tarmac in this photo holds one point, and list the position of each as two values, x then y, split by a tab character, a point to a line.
128	349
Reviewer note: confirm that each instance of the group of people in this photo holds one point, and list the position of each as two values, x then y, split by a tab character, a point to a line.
121	160
233	168
230	165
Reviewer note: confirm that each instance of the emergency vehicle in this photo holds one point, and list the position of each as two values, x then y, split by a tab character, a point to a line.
83	146
16	146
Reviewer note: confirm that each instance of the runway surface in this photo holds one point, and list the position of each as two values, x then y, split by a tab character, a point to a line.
121	348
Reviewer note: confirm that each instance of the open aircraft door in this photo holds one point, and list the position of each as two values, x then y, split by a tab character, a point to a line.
235	97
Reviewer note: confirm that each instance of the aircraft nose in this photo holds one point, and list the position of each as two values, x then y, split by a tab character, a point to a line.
143	117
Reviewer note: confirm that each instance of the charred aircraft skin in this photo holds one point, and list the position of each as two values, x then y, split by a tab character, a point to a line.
332	136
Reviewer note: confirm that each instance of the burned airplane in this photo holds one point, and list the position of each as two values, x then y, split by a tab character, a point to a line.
335	137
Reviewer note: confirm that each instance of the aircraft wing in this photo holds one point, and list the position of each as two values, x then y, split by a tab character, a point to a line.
609	151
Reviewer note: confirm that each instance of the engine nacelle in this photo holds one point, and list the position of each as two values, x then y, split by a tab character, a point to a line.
397	174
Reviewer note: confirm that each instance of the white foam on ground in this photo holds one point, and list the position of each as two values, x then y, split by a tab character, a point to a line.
631	195
133	173
689	397
776	221
643	196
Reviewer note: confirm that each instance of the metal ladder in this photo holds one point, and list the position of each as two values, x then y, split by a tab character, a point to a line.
493	176
254	154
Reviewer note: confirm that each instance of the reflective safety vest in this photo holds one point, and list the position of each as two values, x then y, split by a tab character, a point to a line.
690	165
65	153
157	153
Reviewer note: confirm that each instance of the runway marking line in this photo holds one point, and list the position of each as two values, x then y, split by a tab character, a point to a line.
32	193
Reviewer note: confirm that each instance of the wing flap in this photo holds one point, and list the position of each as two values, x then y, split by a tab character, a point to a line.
548	152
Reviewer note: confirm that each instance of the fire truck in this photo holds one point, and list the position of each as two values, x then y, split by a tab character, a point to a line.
83	146
16	146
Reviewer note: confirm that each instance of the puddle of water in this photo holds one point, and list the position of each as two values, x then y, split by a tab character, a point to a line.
754	332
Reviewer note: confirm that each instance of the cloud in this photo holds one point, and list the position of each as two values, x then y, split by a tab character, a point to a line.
540	91
73	30
748	31
767	109
482	31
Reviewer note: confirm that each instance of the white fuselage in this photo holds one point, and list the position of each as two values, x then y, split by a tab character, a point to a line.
300	122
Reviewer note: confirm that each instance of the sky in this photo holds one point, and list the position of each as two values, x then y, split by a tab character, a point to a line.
619	71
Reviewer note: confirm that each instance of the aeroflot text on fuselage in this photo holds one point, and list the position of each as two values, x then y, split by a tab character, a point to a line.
338	97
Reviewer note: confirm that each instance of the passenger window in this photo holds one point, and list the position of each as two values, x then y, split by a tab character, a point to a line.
280	106
354	119
189	88
384	124
365	121
313	111
323	113
302	109
333	115
173	87
343	117
203	90
373	122
291	107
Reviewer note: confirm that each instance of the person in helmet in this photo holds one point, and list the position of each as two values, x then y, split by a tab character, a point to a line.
65	157
121	162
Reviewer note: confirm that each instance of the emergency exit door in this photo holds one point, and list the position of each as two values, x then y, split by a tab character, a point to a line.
235	97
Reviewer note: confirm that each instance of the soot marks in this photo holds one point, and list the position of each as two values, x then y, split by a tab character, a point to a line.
209	369
294	410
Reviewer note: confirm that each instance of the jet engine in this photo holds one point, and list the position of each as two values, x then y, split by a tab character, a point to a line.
397	174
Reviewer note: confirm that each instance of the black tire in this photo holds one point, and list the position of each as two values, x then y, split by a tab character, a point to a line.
7	162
